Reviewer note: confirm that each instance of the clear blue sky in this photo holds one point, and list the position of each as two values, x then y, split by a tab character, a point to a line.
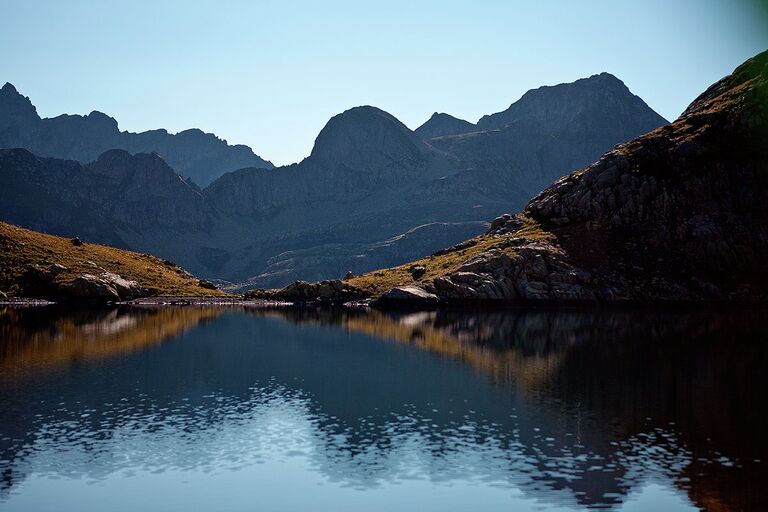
271	73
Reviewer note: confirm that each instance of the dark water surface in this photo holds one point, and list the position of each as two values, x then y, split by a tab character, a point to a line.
221	409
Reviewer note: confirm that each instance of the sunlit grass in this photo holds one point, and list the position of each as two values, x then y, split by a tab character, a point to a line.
19	247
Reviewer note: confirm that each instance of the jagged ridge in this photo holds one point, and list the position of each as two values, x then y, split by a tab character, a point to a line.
193	153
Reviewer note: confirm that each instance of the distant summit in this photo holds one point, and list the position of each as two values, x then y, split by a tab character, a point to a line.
361	136
443	124
14	110
201	156
559	106
548	127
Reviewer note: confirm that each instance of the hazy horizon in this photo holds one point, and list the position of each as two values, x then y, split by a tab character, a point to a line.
270	75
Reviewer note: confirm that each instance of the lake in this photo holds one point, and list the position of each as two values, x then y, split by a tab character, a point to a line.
230	409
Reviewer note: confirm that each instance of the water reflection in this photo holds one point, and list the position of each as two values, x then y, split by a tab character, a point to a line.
554	408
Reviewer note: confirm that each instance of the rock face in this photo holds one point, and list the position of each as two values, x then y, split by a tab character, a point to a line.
107	201
441	124
369	140
678	214
564	107
372	193
201	156
550	129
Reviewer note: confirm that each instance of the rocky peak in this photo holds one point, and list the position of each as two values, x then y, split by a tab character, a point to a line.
559	105
363	136
15	107
200	155
441	124
102	121
120	168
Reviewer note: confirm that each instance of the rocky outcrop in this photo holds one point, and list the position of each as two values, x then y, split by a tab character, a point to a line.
207	285
39	279
407	297
192	153
519	270
330	291
90	287
42	280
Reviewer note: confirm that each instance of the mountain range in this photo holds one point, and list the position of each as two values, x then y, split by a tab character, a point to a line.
371	194
203	157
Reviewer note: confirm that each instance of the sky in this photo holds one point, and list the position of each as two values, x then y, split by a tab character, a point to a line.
270	74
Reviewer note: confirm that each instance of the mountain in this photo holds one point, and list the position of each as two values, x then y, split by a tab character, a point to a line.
50	267
561	106
192	153
372	193
675	215
553	129
100	201
369	179
441	124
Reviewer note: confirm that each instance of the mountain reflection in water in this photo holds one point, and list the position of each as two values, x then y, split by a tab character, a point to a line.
536	409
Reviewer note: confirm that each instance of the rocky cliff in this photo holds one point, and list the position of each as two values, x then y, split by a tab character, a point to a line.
552	129
561	106
675	215
191	153
100	201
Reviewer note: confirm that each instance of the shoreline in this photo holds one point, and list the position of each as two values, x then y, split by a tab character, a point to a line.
401	306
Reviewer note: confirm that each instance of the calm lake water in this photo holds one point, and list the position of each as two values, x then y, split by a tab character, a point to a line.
225	410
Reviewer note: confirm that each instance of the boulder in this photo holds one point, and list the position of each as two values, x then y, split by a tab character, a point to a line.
39	280
90	287
202	283
407	296
417	271
125	288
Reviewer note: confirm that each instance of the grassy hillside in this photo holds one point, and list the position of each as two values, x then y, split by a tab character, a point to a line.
21	247
444	262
